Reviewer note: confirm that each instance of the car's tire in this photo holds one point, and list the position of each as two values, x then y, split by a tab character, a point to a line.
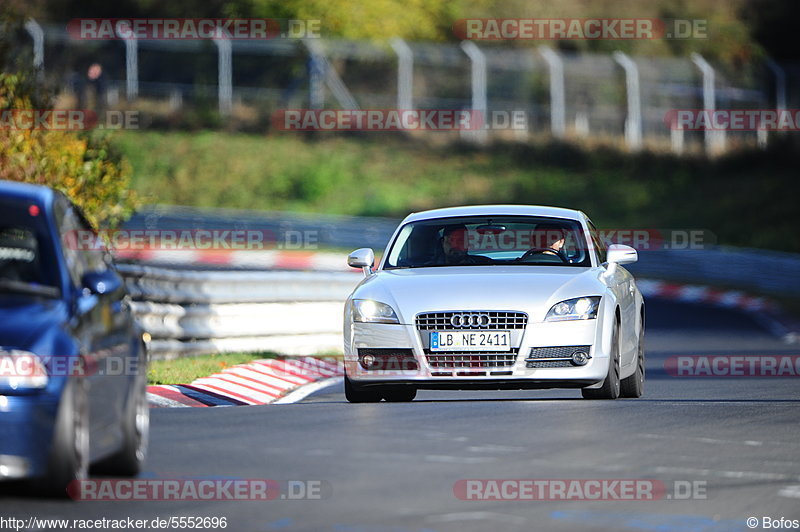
633	386
69	455
128	461
399	394
611	385
358	395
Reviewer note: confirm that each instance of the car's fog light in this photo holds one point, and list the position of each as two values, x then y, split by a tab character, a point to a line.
367	361
580	358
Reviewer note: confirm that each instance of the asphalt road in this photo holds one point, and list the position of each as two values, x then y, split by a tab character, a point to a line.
393	467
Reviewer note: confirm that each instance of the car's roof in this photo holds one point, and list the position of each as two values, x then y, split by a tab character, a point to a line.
496	210
38	194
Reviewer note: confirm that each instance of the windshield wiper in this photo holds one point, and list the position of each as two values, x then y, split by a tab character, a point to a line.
10	285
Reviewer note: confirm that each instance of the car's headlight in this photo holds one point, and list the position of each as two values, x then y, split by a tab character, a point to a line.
21	370
369	311
579	308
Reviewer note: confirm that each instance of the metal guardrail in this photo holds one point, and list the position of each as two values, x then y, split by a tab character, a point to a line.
754	270
747	269
161	285
200	312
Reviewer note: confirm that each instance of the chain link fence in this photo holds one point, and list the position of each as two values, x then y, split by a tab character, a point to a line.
570	95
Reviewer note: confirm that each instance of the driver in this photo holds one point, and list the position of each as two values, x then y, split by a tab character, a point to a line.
452	249
550	238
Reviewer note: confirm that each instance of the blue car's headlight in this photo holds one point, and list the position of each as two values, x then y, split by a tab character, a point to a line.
579	308
21	370
369	311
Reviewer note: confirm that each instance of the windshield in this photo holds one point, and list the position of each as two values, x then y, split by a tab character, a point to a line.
27	261
493	240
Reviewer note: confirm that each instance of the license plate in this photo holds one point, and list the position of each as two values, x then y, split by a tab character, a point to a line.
471	341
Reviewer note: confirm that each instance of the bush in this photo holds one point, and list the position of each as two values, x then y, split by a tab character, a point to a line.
81	165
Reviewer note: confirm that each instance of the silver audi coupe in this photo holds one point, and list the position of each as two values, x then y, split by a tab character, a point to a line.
494	297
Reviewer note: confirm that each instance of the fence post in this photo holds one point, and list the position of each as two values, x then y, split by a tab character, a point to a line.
37	34
780	94
633	122
405	73
558	111
715	140
780	83
479	105
224	71
316	79
131	61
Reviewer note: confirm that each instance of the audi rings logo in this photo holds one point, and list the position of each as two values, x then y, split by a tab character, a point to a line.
469	320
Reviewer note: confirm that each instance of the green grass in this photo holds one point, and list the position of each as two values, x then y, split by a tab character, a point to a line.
185	370
745	199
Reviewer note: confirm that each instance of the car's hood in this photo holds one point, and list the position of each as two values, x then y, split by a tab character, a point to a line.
532	289
24	320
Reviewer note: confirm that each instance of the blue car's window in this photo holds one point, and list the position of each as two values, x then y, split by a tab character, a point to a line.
497	240
27	261
28	264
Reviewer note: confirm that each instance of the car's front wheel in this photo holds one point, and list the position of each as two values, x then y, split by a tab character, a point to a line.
129	459
69	454
611	384
360	395
633	386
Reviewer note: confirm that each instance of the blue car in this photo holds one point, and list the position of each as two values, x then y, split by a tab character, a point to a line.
73	385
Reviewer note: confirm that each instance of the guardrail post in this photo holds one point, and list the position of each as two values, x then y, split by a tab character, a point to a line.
131	63
37	34
405	73
633	122
479	106
558	111
715	139
224	71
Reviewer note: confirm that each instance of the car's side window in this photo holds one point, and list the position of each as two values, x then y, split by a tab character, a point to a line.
83	250
597	242
94	255
68	232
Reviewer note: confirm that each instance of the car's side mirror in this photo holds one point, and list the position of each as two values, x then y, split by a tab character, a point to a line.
362	258
99	283
621	254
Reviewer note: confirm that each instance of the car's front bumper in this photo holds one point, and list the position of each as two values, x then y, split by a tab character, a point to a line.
517	375
26	433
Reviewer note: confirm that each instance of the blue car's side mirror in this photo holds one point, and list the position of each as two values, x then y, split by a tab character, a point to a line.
99	283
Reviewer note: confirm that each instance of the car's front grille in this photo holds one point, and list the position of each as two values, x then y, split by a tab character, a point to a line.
550	364
490	319
553	357
471	359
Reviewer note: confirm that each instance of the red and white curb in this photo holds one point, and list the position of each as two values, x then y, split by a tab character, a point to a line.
269	381
688	293
767	312
259	259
